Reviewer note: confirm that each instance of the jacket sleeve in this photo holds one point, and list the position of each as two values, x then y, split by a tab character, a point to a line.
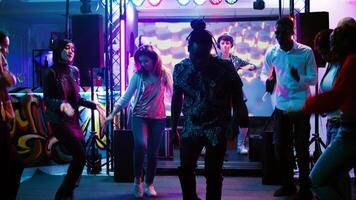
49	92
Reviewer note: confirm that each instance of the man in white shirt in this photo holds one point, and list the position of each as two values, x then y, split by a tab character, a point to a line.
295	69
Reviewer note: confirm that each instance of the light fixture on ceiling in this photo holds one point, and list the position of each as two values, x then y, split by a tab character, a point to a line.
85	8
183	2
199	2
215	2
230	1
137	3
154	2
259	5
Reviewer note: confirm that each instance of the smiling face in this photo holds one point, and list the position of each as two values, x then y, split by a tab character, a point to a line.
5	46
68	53
146	63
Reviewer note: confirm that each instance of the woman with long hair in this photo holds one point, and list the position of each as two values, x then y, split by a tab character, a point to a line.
149	83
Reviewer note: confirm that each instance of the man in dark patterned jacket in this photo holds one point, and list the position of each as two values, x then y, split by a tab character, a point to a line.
206	89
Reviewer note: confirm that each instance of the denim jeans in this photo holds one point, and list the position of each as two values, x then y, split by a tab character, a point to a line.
147	134
329	176
331	132
292	129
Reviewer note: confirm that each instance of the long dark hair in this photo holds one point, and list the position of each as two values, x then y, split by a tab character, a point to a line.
2	37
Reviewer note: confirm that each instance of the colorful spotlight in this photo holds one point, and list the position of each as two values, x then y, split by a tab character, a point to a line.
137	3
231	1
183	2
199	2
154	2
215	2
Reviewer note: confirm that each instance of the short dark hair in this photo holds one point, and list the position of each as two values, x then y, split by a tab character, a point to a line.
225	37
2	37
287	22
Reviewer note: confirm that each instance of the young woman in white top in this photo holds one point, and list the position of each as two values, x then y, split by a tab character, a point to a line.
148	84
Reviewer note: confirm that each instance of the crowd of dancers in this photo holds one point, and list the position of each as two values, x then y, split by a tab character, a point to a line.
207	90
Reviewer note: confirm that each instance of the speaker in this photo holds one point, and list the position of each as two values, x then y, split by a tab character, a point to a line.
270	166
166	149
308	25
255	147
87	35
123	156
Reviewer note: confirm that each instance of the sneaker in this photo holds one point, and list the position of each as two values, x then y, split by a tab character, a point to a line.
138	190
285	191
203	151
242	150
150	190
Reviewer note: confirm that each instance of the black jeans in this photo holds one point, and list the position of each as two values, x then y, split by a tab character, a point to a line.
292	128
11	166
67	136
214	158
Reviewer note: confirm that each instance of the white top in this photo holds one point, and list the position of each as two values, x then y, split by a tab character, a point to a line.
290	94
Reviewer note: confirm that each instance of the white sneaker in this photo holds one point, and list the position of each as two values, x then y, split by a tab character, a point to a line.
138	190
203	151
150	190
242	150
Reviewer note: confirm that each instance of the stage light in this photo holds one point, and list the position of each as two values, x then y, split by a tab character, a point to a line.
199	2
137	3
85	8
154	2
215	2
230	1
183	2
259	5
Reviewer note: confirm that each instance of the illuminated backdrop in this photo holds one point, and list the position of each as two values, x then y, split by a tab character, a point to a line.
251	40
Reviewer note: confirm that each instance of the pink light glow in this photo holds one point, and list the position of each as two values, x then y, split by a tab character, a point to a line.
122	55
215	2
154	2
183	2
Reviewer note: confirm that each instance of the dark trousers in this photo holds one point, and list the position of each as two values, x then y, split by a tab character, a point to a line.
292	130
11	166
214	157
67	136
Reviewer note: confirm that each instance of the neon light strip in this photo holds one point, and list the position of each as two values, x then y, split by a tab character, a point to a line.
122	56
